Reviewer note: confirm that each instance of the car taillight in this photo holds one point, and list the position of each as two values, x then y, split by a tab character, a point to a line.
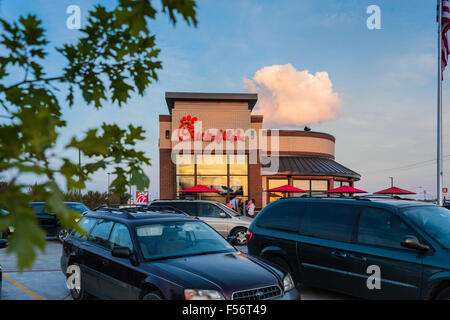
248	236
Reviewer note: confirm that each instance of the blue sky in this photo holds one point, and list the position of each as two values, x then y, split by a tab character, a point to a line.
385	78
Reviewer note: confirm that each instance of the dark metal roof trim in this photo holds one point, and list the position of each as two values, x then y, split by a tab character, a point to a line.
171	97
312	166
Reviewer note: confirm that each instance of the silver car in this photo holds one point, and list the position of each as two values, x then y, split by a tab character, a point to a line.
223	219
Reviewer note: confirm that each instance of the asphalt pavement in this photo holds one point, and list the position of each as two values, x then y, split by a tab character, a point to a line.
45	281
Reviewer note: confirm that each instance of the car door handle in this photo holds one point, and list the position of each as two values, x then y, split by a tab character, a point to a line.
358	258
339	254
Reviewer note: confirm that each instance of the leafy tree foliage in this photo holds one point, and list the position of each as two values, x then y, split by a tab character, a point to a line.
93	199
114	56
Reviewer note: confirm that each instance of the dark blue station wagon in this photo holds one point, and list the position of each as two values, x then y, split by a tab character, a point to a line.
154	256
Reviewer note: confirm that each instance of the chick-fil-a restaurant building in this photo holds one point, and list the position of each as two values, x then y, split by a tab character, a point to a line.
213	139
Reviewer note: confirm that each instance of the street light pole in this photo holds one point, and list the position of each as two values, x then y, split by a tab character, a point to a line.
392	181
108	187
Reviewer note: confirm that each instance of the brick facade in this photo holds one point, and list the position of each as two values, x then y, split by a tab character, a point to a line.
167	186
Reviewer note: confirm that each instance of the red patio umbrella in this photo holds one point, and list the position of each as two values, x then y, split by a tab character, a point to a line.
286	188
345	189
394	190
199	188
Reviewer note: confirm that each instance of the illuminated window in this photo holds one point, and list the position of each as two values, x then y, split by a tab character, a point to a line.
301	184
226	173
185	164
238	164
275	183
211	164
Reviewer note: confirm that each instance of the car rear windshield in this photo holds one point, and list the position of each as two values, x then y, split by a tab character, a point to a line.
179	239
434	220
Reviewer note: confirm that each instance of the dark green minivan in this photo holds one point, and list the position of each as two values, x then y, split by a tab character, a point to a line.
366	247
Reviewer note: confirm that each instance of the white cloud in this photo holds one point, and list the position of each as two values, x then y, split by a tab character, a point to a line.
288	97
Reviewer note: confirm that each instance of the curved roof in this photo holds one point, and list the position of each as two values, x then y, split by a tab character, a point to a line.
311	166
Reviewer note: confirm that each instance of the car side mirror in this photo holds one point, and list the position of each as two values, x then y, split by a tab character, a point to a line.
3	243
223	215
121	252
412	242
232	240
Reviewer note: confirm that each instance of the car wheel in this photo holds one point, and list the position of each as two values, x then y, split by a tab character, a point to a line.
283	264
239	233
62	234
75	283
154	295
444	295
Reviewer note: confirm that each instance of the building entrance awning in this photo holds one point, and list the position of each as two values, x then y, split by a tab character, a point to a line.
310	166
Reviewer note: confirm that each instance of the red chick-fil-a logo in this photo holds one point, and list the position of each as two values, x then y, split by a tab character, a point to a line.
186	132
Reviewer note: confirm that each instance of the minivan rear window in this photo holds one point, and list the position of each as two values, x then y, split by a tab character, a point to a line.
284	216
330	221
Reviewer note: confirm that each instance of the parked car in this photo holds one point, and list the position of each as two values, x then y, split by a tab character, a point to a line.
337	244
4	234
154	256
223	219
1	280
3	244
447	205
49	221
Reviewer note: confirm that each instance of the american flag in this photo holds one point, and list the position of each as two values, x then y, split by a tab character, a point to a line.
445	28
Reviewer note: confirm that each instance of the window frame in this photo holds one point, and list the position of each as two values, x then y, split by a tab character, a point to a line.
227	175
109	235
353	236
273	207
393	213
73	232
133	250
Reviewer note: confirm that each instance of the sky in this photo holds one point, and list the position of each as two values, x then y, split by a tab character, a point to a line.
375	89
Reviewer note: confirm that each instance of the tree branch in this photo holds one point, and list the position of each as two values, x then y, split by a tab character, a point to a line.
31	81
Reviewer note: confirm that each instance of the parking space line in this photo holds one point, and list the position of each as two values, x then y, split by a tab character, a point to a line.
23	288
17	271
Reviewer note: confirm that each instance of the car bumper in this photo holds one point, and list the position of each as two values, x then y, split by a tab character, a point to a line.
290	295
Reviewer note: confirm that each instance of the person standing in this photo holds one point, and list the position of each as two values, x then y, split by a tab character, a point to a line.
251	208
234	203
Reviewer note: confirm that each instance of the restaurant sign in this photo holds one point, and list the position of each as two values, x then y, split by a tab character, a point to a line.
187	132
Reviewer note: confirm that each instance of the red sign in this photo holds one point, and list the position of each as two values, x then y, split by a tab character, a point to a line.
141	197
445	191
187	132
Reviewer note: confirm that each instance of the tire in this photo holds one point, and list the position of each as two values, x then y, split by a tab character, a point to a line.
61	233
283	264
444	294
154	295
239	233
78	294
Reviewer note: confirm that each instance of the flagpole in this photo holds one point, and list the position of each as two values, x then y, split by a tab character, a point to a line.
439	111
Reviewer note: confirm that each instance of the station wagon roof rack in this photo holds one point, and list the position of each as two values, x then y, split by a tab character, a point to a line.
130	212
113	210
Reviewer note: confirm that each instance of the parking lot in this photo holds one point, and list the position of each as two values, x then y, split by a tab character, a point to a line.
45	281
